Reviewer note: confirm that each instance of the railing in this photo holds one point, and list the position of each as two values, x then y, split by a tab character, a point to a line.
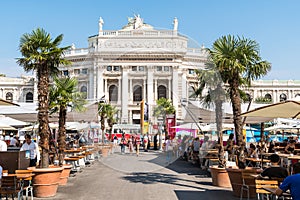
137	33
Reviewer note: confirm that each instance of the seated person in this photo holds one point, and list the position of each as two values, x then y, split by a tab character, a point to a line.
275	170
271	147
290	147
291	183
252	151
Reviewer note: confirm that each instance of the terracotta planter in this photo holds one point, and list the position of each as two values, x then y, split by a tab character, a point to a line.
220	177
235	176
45	181
65	174
104	151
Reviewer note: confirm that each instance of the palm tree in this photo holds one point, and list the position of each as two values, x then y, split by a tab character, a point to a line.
41	54
210	79
163	107
106	112
63	95
238	61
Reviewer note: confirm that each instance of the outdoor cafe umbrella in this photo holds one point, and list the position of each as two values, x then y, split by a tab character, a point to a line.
284	109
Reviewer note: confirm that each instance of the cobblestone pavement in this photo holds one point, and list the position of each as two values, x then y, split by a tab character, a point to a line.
144	177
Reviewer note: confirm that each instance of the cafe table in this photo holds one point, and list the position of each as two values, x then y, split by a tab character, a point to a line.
257	161
20	178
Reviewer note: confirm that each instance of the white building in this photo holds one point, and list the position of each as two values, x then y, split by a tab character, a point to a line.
139	62
134	63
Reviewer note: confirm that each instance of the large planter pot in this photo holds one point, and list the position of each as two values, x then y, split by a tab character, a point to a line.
104	151
220	177
65	174
45	181
236	180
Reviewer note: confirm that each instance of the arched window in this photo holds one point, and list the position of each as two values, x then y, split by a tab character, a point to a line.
137	93
9	96
83	90
282	97
162	92
268	96
113	93
29	97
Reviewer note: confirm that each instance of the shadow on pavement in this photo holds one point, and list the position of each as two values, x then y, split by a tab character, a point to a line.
153	178
181	166
207	195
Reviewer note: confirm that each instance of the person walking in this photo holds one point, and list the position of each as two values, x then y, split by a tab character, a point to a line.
155	142
137	142
3	145
123	144
32	150
130	145
145	140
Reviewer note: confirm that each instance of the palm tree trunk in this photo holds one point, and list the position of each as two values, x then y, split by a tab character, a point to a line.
43	90
237	120
102	120
61	134
219	116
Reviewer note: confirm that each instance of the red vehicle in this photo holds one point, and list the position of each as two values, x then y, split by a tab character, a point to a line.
127	129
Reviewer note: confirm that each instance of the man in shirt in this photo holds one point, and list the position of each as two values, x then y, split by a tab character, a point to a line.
275	170
33	149
291	183
3	145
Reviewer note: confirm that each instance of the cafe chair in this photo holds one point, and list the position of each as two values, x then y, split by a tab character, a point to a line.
27	184
262	193
10	186
248	183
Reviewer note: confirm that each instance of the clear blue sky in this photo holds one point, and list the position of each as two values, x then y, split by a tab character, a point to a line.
274	24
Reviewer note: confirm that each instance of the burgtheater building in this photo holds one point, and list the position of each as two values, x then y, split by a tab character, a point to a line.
138	62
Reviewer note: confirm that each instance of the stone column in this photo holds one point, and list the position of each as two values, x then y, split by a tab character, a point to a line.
155	89
175	87
124	105
119	91
105	88
130	91
144	89
150	95
100	82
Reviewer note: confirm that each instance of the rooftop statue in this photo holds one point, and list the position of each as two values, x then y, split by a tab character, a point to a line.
135	23
101	22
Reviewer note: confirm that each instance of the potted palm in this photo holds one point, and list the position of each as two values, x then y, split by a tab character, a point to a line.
238	61
42	54
163	107
106	113
210	80
63	95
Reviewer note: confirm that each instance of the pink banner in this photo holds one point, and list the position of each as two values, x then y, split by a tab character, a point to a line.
170	122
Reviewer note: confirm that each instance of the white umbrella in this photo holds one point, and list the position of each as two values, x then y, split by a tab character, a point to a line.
189	126
36	126
6	127
213	127
279	127
12	122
